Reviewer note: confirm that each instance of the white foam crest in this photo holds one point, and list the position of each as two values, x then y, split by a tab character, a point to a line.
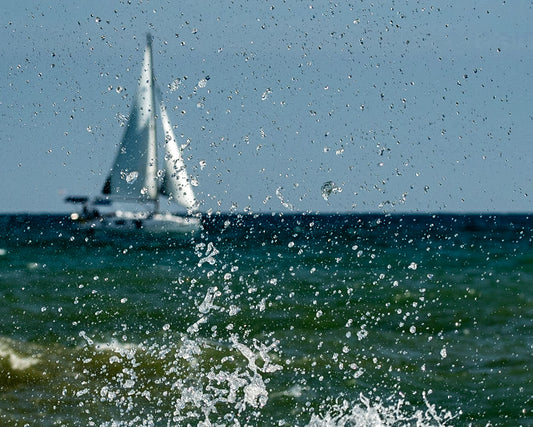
364	413
16	361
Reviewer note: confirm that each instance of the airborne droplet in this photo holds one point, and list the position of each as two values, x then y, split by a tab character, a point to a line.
329	188
130	177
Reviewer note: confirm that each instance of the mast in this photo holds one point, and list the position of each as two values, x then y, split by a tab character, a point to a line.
152	146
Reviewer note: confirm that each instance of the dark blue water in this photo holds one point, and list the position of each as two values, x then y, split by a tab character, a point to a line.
269	320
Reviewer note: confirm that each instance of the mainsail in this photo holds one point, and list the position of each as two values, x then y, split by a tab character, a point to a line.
134	174
134	171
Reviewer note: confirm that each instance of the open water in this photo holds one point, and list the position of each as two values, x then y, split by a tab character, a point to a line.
357	320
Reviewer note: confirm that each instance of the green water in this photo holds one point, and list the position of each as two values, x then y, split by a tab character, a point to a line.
269	320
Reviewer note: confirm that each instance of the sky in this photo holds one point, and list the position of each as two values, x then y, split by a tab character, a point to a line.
395	106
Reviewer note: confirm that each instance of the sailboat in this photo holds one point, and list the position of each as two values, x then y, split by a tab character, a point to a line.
135	182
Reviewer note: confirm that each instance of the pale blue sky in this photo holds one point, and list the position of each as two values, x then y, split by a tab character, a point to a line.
406	106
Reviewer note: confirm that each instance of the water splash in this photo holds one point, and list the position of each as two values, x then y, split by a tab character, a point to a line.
365	413
198	381
210	253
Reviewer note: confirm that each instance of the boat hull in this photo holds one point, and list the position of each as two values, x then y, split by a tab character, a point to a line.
155	223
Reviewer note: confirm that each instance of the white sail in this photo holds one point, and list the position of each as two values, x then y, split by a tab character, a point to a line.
134	171
176	183
134	175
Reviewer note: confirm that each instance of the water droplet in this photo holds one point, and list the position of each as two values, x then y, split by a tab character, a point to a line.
329	188
130	177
